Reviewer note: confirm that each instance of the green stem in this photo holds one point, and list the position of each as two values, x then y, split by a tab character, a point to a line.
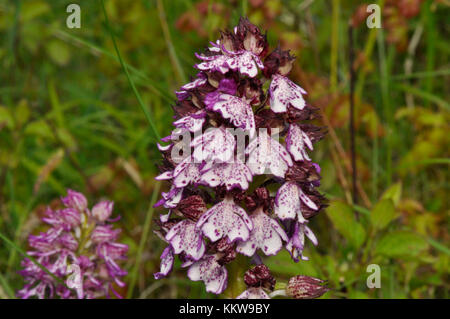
144	236
6	286
236	272
34	261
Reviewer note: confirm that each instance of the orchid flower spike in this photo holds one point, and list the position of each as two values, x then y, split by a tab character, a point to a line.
79	249
240	138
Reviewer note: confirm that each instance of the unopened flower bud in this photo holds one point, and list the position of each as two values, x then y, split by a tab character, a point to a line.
259	276
75	200
305	287
278	62
192	207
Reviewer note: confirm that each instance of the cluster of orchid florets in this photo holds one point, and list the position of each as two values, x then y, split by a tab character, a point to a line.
79	252
242	181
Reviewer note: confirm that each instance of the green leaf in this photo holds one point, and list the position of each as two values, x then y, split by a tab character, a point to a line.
282	264
382	214
59	52
343	219
355	294
5	118
22	113
394	193
401	244
33	9
54	101
39	128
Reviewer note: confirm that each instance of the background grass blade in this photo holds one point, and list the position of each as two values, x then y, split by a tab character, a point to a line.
125	69
34	261
143	241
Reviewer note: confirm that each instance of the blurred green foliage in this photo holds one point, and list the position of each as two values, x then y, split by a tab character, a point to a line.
69	119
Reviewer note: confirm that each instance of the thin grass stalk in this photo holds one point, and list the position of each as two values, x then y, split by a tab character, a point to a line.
387	111
143	240
334	45
125	69
431	39
368	49
34	261
6	286
352	115
181	77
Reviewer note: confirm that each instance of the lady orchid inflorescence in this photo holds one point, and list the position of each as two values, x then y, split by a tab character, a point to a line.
79	249
242	181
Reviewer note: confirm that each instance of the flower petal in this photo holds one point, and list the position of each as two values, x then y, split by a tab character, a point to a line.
263	236
305	199
238	111
163	148
167	258
295	142
266	153
225	219
216	144
191	123
253	293
246	62
164	176
211	273
199	81
213	63
185	237
309	233
171	198
296	243
187	172
287	202
231	175
283	92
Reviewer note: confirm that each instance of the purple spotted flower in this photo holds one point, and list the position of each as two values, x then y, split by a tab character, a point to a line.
192	123
245	182
211	272
216	144
186	237
236	109
231	175
296	242
267	235
225	219
297	141
267	154
289	202
79	248
284	93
